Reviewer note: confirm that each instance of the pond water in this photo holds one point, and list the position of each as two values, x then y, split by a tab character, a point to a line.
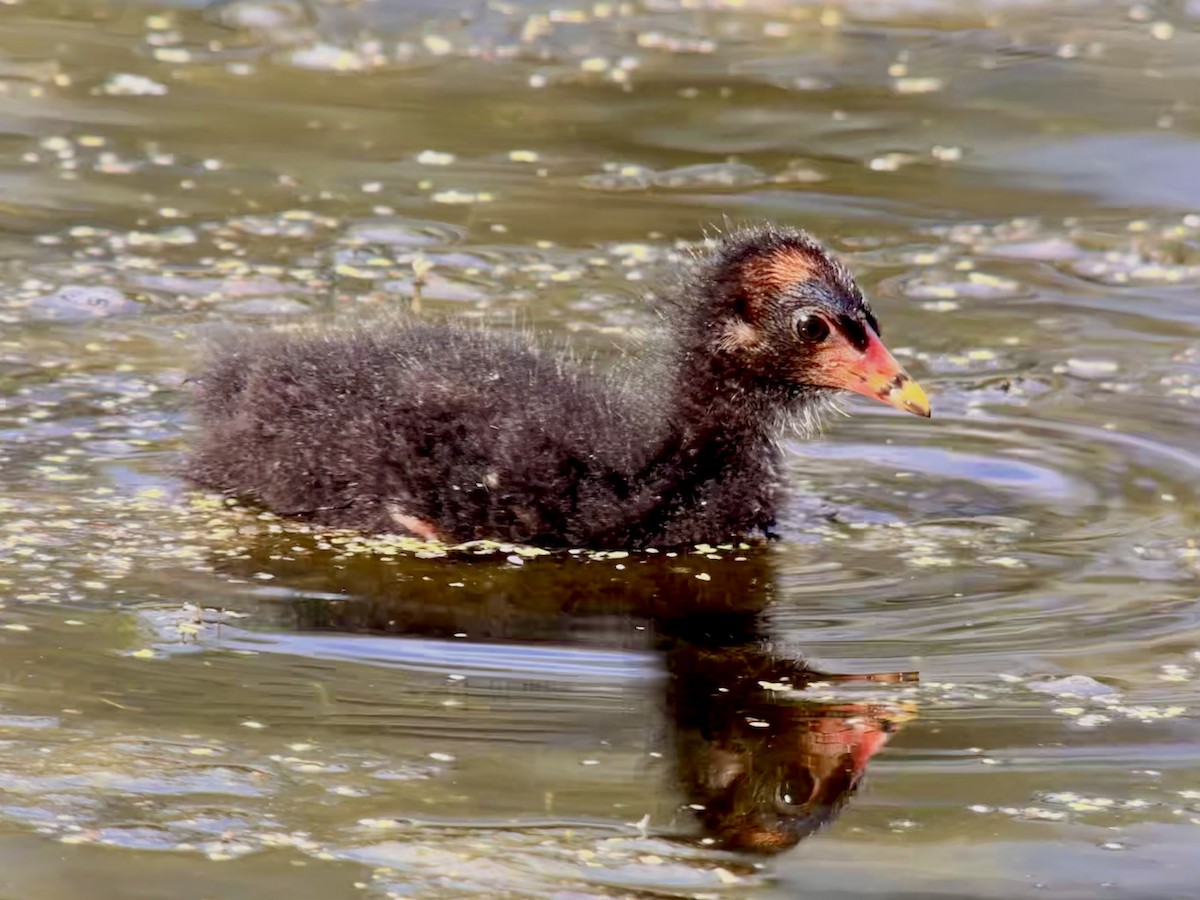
198	701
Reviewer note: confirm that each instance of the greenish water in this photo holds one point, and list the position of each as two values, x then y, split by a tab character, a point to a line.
200	702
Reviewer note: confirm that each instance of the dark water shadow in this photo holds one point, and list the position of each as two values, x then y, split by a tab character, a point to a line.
761	761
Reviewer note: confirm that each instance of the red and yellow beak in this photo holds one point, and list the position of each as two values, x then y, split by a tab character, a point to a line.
872	372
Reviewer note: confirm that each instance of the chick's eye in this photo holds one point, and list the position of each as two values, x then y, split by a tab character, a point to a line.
812	328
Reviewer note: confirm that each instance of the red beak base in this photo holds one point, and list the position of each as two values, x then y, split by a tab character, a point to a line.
874	372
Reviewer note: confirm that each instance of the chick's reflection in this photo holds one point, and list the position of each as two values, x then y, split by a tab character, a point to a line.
765	750
764	766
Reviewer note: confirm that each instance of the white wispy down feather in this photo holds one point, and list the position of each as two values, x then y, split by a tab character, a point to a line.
807	419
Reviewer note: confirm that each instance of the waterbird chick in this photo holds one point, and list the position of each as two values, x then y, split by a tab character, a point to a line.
454	433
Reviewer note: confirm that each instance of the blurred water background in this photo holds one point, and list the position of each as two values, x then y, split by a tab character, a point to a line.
197	701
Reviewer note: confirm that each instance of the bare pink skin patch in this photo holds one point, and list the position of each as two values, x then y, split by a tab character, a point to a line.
789	266
413	525
765	276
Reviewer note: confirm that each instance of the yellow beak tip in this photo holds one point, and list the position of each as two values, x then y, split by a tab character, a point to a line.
910	398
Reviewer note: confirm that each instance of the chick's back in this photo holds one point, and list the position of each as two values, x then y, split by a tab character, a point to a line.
473	433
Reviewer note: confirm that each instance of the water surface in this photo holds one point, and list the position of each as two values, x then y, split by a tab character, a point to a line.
200	701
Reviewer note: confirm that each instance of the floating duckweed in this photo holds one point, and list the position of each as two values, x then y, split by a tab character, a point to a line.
326	57
125	84
437	45
927	561
435	158
917	85
1162	31
456	197
1088	368
177	55
890	162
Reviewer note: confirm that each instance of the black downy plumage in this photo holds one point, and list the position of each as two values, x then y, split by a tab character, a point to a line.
458	433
